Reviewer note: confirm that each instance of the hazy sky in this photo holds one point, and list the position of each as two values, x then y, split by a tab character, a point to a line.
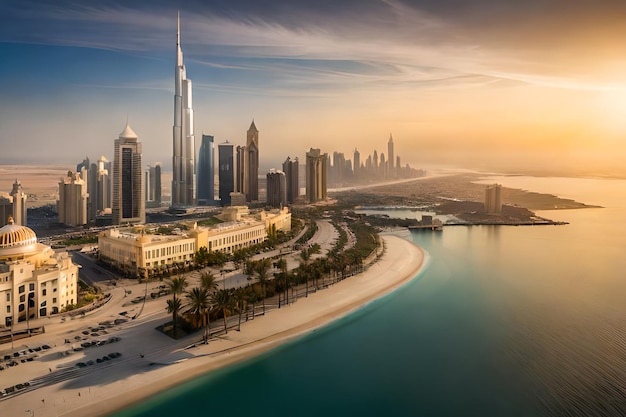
501	84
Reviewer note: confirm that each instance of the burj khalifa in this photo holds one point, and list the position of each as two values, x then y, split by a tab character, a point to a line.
183	160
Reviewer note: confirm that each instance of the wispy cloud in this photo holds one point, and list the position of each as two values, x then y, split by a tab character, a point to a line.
389	41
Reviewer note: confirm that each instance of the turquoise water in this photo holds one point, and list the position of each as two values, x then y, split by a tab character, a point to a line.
506	321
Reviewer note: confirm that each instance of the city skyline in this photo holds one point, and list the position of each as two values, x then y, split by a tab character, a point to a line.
470	85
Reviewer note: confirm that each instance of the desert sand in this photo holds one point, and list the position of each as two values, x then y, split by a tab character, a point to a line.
152	363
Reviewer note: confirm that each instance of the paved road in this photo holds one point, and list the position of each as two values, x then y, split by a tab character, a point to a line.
90	272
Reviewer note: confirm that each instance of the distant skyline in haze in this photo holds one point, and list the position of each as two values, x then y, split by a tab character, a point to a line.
530	86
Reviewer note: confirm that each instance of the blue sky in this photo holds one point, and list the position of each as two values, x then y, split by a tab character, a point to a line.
488	84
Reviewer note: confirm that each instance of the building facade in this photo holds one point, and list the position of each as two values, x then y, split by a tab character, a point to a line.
226	172
152	185
206	171
14	204
291	168
316	176
72	202
184	148
240	170
391	158
251	171
35	281
493	199
276	188
134	252
128	198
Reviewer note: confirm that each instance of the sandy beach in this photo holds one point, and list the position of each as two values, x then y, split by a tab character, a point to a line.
152	363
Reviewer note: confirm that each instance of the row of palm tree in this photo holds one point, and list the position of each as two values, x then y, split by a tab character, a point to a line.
205	299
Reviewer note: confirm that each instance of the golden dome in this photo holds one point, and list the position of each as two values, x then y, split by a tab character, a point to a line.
14	235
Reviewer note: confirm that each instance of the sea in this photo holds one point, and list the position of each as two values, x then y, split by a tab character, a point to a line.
504	321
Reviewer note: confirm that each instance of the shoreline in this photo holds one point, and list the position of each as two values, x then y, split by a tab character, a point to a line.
113	389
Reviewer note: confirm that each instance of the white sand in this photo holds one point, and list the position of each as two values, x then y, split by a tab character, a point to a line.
105	389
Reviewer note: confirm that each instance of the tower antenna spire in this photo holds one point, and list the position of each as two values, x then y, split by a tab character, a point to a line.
178	30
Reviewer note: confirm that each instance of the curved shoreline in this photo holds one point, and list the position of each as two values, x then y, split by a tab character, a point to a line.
138	381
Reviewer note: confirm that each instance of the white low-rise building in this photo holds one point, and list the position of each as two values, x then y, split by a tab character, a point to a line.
132	250
34	280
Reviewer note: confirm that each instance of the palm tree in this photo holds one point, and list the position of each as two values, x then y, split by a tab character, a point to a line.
240	298
177	286
173	306
207	282
223	301
282	265
199	306
251	298
262	268
305	255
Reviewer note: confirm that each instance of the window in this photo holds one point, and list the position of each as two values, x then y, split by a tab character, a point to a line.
8	297
54	290
54	300
31	287
22	298
8	309
21	308
43	292
22	289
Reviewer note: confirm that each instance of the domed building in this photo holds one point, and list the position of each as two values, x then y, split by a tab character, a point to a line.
34	280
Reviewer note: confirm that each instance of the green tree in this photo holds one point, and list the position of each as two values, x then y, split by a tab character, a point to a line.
240	298
177	286
202	256
199	305
223	302
173	307
207	281
281	264
305	256
262	268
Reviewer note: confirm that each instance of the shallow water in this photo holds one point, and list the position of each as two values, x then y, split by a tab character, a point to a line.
506	321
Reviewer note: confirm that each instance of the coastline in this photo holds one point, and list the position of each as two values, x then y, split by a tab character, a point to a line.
113	389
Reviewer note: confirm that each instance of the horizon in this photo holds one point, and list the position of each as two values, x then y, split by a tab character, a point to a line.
507	87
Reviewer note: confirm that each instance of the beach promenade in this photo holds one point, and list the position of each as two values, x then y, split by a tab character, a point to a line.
152	362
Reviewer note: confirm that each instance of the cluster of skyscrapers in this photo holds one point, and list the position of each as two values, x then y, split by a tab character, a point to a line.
375	167
122	189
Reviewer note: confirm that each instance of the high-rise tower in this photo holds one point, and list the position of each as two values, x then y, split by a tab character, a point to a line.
316	175
251	171
183	170
291	170
206	171
128	204
226	172
391	157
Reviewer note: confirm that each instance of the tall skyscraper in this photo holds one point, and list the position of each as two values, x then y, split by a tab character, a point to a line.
183	169
206	171
357	163
240	169
13	204
391	158
316	175
19	204
292	177
375	163
103	188
128	205
276	188
251	171
493	199
226	172
152	185
72	203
